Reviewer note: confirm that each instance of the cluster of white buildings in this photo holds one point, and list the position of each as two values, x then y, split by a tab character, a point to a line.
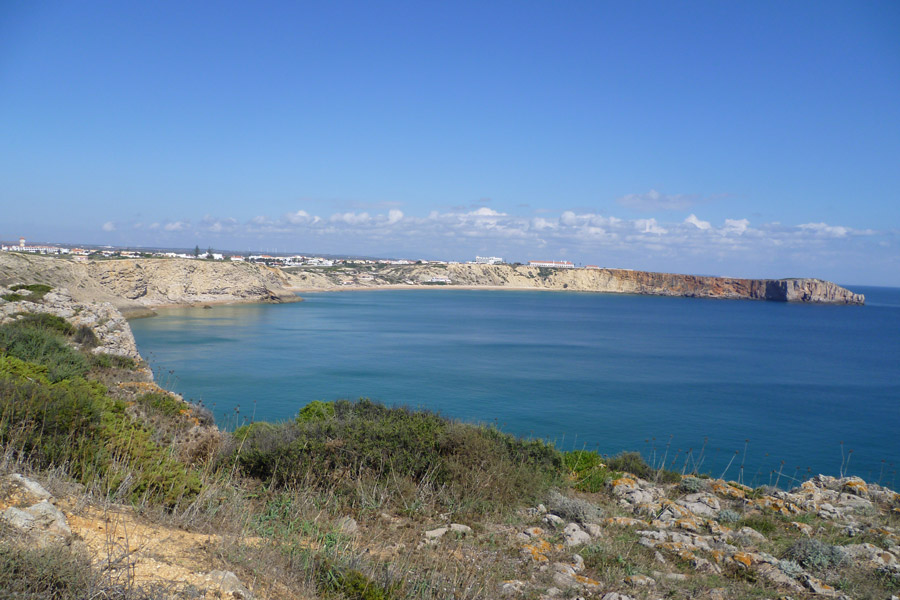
275	261
553	264
37	249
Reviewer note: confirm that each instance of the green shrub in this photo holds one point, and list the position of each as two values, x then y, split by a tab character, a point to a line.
573	509
691	485
104	360
73	422
726	515
31	343
48	322
316	411
13	297
86	337
351	584
630	462
760	523
590	471
34	288
790	568
634	463
814	554
477	468
163	404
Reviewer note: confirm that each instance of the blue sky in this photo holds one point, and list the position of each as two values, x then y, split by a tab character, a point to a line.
751	139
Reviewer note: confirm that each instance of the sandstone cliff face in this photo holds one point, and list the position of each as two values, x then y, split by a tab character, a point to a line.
141	284
621	281
158	282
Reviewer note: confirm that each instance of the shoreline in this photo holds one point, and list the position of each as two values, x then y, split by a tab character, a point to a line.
150	310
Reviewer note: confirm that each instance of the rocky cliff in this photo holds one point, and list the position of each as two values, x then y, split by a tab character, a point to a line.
584	280
138	285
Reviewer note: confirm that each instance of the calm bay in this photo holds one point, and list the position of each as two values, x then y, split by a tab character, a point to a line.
783	389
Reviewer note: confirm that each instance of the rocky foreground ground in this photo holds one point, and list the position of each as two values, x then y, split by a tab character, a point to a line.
826	538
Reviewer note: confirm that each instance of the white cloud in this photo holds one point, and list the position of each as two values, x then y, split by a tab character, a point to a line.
649	226
824	229
299	217
484	211
693	220
654	201
568	219
109	226
735	226
540	224
351	218
680	244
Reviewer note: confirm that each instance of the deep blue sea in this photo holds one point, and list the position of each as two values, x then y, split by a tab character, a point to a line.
784	389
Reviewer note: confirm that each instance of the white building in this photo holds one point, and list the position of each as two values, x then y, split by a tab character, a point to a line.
553	264
488	260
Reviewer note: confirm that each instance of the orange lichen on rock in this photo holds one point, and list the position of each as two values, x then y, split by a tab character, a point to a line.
857	487
688	525
724	489
623	482
777	505
586	581
802	528
539	550
743	558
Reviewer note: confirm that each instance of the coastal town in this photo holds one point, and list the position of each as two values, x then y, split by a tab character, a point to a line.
277	260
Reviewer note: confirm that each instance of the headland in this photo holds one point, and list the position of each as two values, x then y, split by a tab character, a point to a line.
138	286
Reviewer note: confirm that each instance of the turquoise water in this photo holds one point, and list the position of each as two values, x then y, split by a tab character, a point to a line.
597	371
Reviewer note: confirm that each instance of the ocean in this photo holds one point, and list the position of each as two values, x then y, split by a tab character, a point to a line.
761	392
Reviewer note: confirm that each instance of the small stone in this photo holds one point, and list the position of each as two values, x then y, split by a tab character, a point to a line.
640	580
347	525
553	520
803	528
575	536
30	491
511	587
460	529
594	530
778	577
748	533
578	562
436	534
817	586
228	583
533	532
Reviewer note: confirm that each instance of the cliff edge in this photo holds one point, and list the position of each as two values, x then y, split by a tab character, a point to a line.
618	281
135	286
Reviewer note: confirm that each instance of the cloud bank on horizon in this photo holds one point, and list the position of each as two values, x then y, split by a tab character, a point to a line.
736	247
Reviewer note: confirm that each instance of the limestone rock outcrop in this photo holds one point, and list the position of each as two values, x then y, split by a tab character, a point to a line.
112	330
135	286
